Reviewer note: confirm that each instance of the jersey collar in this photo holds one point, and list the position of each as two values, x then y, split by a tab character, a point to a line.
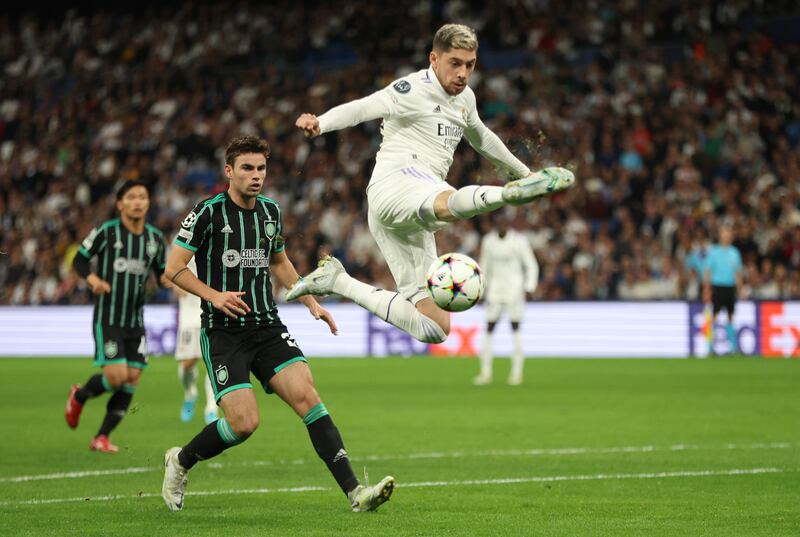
430	75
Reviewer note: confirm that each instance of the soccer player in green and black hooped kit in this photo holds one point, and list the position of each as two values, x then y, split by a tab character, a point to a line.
237	241
127	250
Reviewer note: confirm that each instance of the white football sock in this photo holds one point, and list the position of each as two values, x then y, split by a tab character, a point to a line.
391	307
188	377
486	356
211	404
517	358
475	199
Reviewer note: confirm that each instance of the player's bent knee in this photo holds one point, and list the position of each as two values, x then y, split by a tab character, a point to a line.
244	426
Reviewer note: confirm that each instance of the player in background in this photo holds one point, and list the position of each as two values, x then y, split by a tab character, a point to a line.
127	249
510	270
237	240
723	283
187	353
425	115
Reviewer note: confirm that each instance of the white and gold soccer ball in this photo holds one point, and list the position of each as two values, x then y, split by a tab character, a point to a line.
455	282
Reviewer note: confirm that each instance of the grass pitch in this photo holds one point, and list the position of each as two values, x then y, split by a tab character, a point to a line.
584	447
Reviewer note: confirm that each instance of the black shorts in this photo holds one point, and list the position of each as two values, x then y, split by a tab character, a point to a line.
232	354
119	345
723	297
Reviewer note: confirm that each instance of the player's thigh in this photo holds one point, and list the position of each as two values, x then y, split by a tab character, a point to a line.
134	375
494	308
409	254
405	199
115	374
136	349
516	310
241	410
295	385
276	352
109	346
227	355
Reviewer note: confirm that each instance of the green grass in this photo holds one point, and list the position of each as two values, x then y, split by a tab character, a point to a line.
421	421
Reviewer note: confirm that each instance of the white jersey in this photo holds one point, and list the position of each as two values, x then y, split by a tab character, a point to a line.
422	125
189	305
509	267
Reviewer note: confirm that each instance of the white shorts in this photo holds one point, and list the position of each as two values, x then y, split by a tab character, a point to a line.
514	308
402	229
188	343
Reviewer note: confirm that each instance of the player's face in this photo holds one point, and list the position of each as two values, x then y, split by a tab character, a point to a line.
247	174
135	203
453	68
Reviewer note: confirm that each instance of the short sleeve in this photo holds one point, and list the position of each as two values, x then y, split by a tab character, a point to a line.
194	227
94	243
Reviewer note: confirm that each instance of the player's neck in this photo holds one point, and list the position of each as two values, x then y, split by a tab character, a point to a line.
245	202
134	225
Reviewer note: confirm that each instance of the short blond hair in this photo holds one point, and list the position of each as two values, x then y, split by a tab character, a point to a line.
457	36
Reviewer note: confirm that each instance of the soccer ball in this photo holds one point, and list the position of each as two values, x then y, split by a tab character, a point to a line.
455	282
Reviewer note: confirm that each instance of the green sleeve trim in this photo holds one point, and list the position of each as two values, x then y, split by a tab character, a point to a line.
187	246
279	250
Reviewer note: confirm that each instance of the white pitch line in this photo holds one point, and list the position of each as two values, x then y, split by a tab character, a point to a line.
455	483
73	475
417	456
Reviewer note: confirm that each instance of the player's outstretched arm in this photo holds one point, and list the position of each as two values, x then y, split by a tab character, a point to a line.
281	267
377	105
489	145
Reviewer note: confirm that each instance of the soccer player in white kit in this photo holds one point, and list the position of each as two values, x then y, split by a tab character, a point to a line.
425	115
187	353
510	270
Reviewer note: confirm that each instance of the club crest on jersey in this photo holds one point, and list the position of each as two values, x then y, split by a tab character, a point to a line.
402	86
151	248
110	348
222	374
231	258
270	228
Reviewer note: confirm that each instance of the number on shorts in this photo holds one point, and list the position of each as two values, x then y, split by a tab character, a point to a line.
142	346
289	340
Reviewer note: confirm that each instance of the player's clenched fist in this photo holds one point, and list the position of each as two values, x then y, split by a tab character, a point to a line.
309	123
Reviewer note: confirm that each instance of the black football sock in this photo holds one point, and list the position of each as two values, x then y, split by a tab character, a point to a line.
329	446
210	442
116	408
95	386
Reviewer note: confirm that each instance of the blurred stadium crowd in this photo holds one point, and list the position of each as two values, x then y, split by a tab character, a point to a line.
676	116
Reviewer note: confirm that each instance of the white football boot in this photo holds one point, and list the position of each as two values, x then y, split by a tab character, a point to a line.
536	185
175	479
320	281
370	497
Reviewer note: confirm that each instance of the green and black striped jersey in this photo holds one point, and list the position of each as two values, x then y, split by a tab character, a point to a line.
233	247
124	260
